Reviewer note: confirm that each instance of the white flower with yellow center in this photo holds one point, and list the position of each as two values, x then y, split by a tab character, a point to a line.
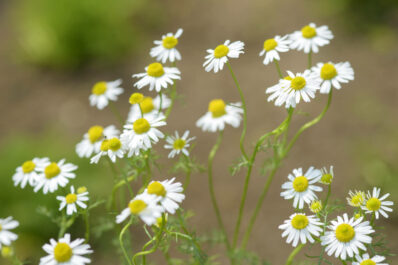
310	38
366	260
300	228
103	92
166	48
140	134
216	58
169	193
28	173
356	198
145	206
220	114
327	176
72	200
66	252
54	174
347	236
111	147
6	236
293	88
157	77
178	144
149	107
332	75
91	142
316	206
300	186
377	205
273	46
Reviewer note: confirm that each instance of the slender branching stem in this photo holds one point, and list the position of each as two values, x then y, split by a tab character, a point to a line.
293	254
126	256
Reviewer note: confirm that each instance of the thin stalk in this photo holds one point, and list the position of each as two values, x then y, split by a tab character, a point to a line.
289	118
126	256
116	173
328	195
278	69
173	95
293	254
87	224
116	112
188	175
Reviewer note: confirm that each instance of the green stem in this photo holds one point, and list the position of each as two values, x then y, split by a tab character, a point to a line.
116	174
87	223
112	201
116	113
343	262
161	101
309	59
173	95
278	69
188	175
126	256
328	195
293	254
289	118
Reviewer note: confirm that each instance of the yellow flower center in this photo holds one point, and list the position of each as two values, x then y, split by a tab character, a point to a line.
316	206
308	32
155	70
136	98
328	71
300	184
288	78
95	133
52	170
221	51
28	166
368	262
114	144
270	44
1	228
6	252
170	42
217	108
373	204
71	198
99	88
357	199
327	178
357	215
137	206
147	105
141	126
157	188
298	83
299	221
345	233
81	190
62	252
105	145
179	144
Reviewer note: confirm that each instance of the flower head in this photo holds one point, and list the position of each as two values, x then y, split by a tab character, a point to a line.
216	58
310	38
365	259
91	142
273	46
376	204
6	236
157	77
28	172
149	107
103	92
165	49
332	75
112	147
178	144
73	200
327	176
316	206
356	198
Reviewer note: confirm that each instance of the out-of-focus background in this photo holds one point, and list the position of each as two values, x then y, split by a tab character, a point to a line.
52	52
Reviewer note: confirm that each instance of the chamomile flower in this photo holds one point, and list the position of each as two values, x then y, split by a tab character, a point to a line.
376	204
293	88
216	58
144	206
149	107
301	228
54	174
316	206
72	200
140	134
332	75
178	144
346	236
170	193
66	252
103	92
27	172
356	198
220	114
165	48
327	176
91	142
366	260
273	46
6	236
300	187
310	38
111	147
157	77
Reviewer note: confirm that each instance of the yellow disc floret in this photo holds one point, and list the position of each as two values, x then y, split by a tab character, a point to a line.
141	126
28	166
288	78
373	204
217	108
356	198
368	262
155	70
81	190
170	42
299	221
328	71
298	83
147	105
179	144
345	233
137	206
95	133
71	198
99	88
300	184
316	206
62	252
6	252
157	188
327	178
114	144
221	51
52	170
105	145
270	44
308	32
136	98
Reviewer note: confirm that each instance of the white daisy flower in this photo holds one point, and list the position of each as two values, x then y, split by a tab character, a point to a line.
170	193
165	48
310	38
216	58
301	228
178	144
375	204
300	186
27	172
292	88
53	175
149	106
91	142
103	92
72	200
347	236
144	206
220	114
111	147
66	252
327	176
366	260
331	75
157	77
6	236
356	198
272	47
